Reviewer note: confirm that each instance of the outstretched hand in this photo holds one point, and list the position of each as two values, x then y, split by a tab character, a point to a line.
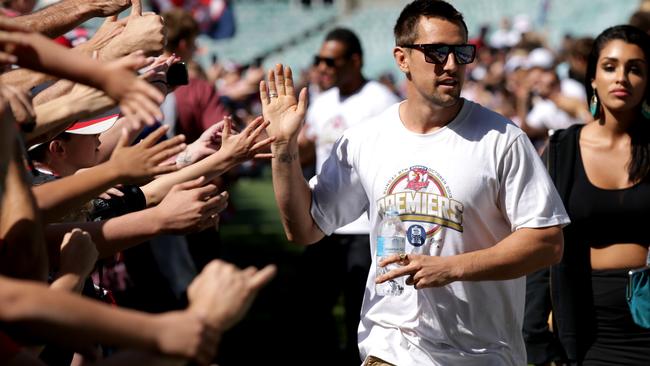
191	206
143	31
138	99
77	259
207	144
142	161
245	145
280	106
221	294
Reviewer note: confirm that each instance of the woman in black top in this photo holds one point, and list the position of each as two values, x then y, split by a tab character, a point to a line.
602	172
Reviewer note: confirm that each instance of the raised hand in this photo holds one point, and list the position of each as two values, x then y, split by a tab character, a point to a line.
137	98
106	32
142	160
144	32
222	293
156	73
245	145
207	144
280	106
77	259
190	207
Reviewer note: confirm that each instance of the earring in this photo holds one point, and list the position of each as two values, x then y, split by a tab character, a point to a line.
645	109
593	105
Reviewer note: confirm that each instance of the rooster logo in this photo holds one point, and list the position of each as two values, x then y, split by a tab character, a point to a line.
418	179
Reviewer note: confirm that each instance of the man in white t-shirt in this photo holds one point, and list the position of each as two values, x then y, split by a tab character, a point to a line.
351	100
464	175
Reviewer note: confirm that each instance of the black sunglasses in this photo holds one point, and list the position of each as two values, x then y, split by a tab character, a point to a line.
435	53
329	62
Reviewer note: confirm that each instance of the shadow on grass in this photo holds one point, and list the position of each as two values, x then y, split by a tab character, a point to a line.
280	328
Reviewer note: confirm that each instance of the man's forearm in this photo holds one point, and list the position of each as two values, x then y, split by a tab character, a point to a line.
293	195
210	167
25	79
54	91
61	196
55	116
58	18
113	235
71	320
24	255
520	253
46	56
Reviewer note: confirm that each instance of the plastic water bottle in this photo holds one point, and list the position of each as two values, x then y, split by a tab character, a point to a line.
391	239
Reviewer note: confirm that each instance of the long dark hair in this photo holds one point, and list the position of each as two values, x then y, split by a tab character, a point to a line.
639	166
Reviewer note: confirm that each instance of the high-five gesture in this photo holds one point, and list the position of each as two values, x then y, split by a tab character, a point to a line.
280	107
245	145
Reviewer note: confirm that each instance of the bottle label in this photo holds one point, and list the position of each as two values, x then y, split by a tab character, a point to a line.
387	245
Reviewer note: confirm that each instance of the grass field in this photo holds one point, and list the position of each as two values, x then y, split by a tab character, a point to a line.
254	236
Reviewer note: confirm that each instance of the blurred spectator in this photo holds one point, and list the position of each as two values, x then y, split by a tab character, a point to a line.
578	54
505	36
481	40
641	20
192	108
215	18
544	103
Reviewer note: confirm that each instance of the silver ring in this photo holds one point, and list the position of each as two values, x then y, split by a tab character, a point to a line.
273	94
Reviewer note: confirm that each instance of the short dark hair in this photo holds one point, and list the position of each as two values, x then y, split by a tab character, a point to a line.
406	26
348	38
39	153
180	26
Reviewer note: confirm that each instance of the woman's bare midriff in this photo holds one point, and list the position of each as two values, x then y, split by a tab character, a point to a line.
619	256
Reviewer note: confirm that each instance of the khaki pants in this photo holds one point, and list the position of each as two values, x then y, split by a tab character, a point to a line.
375	361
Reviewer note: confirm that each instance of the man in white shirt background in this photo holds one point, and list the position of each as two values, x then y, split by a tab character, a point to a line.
339	263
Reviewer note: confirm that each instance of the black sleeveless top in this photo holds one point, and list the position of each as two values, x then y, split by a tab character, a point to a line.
602	217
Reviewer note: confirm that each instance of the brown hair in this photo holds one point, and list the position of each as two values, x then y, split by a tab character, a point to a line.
406	26
180	26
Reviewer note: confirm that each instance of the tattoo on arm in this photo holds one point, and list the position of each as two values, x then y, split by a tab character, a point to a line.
184	159
288	157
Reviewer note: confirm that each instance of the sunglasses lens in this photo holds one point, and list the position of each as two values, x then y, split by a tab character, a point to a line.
464	54
329	62
435	54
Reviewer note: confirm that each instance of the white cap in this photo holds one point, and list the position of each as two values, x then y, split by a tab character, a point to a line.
515	62
540	57
95	125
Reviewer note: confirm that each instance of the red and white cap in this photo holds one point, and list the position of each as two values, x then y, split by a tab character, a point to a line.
96	125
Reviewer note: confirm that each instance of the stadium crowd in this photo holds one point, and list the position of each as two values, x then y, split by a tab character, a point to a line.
118	150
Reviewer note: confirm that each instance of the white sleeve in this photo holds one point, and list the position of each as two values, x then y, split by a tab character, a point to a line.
338	197
527	196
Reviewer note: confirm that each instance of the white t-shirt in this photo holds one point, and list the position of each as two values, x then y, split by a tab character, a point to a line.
329	116
468	186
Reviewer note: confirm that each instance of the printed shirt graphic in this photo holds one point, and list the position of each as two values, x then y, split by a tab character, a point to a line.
459	189
426	204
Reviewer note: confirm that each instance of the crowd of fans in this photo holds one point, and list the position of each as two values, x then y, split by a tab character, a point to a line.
118	149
